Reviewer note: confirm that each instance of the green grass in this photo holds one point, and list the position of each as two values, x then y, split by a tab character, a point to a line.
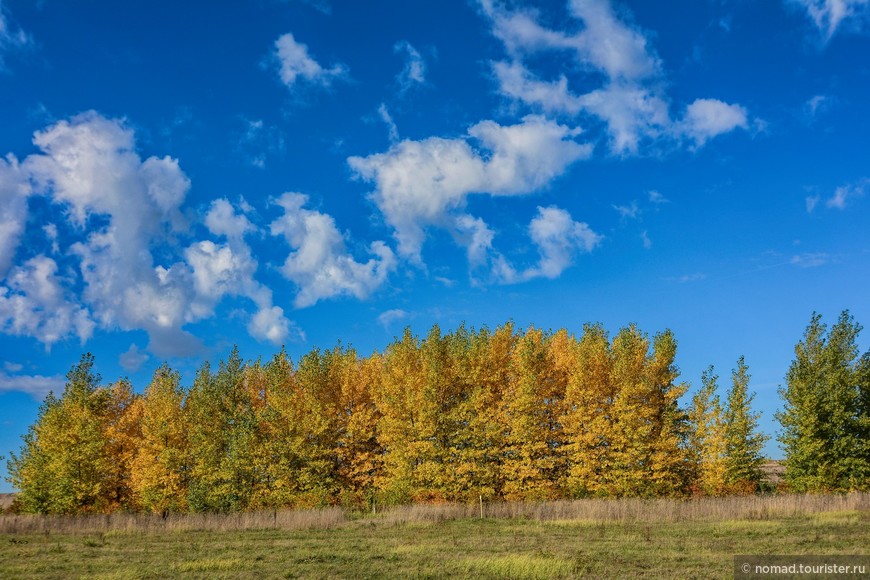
452	548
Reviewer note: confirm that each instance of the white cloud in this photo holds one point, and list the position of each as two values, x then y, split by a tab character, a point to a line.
558	239
132	359
414	72
388	121
222	220
14	190
612	54
846	193
319	264
631	211
707	118
270	324
812	201
295	65
656	197
34	303
829	15
632	113
425	183
517	82
90	167
816	105
604	43
645	240
37	386
476	236
228	269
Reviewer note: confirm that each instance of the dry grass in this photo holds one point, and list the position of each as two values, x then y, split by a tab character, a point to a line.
639	510
588	510
281	520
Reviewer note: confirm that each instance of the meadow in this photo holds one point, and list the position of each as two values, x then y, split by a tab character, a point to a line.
566	539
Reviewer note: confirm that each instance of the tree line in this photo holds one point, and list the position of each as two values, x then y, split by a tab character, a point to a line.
503	414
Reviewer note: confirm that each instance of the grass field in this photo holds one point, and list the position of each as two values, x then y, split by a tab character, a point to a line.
665	540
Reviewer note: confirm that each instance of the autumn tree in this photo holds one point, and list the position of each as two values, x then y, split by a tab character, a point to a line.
532	466
825	418
646	454
477	449
65	465
588	419
160	469
223	432
706	442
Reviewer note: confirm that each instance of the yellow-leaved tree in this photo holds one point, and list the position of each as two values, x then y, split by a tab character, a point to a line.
160	467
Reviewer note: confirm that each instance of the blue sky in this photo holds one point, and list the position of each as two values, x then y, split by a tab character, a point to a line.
177	180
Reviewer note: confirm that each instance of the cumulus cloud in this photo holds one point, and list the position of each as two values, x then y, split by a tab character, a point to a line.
295	65
270	324
124	211
319	264
707	118
227	269
33	302
616	56
222	220
89	166
414	72
14	190
425	183
829	15
558	239
37	386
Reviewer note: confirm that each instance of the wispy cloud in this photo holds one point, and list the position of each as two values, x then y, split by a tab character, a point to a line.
832	15
414	72
688	278
845	194
11	37
390	317
810	259
630	211
37	386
